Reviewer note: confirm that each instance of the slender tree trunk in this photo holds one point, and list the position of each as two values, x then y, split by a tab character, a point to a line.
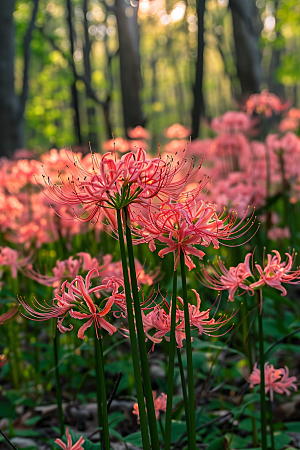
198	106
130	70
11	119
246	46
74	91
91	110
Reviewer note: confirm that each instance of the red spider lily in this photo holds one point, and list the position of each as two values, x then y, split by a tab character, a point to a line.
69	268
160	320
115	184
221	279
276	272
69	446
75	300
276	380
200	319
265	103
80	288
160	404
11	257
9	315
181	226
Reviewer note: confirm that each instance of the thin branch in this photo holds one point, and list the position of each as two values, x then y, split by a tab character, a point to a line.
112	395
8	441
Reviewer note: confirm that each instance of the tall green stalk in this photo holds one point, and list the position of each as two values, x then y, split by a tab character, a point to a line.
100	379
98	388
58	390
170	381
133	340
262	373
184	393
189	357
141	336
271	425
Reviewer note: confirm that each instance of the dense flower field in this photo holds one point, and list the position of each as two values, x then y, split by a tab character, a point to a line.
142	293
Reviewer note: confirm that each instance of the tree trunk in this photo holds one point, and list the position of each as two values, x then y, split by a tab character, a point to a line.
11	118
246	46
198	106
130	70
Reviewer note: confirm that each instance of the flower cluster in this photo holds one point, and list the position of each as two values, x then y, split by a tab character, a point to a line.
273	273
276	380
69	446
159	320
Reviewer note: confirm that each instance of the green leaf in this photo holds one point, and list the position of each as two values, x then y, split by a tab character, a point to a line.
248	399
281	440
219	444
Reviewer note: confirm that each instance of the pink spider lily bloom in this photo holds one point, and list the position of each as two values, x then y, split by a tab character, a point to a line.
160	320
114	184
221	279
160	404
138	133
10	257
70	446
177	131
78	289
9	315
200	319
232	122
276	380
276	272
265	103
181	226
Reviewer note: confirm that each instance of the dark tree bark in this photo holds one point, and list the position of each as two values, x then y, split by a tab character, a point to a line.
130	70
246	46
74	92
11	127
12	107
91	113
198	106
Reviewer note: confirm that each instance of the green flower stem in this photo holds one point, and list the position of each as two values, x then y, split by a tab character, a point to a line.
262	373
133	340
189	357
250	363
170	380
184	393
58	390
141	336
98	388
100	380
271	425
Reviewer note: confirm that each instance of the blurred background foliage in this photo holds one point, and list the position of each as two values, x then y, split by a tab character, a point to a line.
168	54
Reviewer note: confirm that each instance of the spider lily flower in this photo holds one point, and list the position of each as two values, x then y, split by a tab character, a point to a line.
160	320
276	272
160	404
265	103
69	269
112	184
70	446
276	380
182	226
221	279
75	300
79	291
11	257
